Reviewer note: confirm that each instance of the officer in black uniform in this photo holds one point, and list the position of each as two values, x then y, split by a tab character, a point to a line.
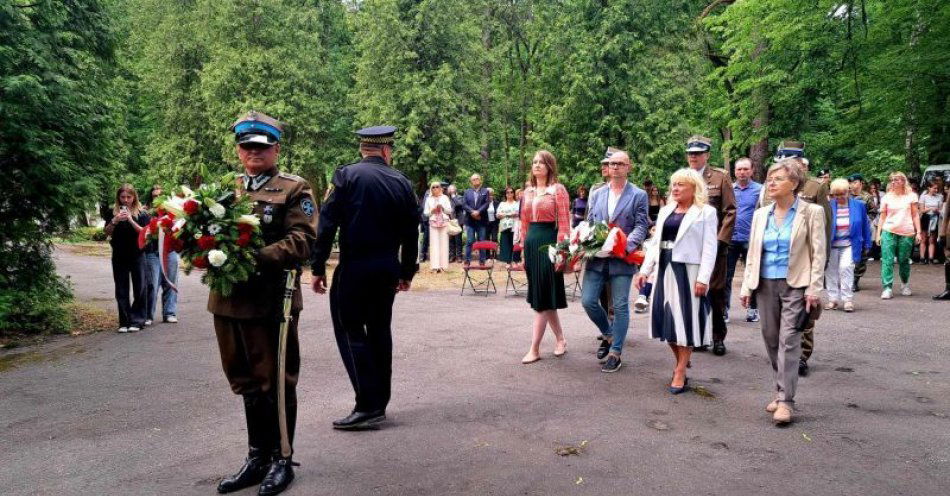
375	209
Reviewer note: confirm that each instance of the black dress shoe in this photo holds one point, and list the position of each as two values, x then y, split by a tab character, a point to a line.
360	421
604	349
719	348
280	475
252	473
802	368
701	348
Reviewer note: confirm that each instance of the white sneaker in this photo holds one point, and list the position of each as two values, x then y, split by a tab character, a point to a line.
148	322
171	319
133	329
123	330
641	305
905	290
886	294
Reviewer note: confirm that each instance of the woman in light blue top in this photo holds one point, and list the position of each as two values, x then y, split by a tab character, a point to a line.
785	268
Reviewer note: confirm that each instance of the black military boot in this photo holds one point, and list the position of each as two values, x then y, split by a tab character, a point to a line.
279	476
259	458
945	296
251	473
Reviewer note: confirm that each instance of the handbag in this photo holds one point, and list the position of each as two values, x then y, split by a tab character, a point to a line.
453	227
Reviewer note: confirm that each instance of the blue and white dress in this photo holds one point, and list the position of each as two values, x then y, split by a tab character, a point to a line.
677	316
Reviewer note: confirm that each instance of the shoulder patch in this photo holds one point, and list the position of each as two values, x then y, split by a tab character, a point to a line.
307	206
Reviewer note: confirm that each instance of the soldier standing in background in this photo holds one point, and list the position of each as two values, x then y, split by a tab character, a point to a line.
375	210
722	198
247	322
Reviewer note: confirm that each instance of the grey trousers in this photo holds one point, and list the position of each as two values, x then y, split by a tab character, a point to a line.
779	307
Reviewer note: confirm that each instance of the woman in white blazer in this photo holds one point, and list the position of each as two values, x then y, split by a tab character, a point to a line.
682	257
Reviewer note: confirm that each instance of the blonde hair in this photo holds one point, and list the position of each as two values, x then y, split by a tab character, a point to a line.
906	186
136	208
839	185
690	176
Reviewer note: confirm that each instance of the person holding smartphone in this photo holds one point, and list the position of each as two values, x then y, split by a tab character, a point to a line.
123	224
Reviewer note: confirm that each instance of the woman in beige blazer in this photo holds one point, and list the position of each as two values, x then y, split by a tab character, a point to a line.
785	268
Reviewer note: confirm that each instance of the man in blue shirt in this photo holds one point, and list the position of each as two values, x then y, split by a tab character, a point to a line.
747	196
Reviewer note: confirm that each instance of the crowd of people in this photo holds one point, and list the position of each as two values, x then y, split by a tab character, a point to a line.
797	235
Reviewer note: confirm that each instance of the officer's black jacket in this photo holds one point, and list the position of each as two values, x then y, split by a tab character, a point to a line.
376	211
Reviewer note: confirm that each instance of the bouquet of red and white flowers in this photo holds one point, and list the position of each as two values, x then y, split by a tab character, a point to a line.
590	240
212	229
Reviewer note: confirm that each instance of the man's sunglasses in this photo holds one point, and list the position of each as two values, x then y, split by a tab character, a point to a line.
255	146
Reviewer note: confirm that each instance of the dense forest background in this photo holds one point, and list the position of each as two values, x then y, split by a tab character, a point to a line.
94	92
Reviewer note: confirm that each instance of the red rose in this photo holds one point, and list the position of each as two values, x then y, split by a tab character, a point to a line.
177	244
206	242
153	224
167	222
192	207
245	228
244	239
200	262
159	211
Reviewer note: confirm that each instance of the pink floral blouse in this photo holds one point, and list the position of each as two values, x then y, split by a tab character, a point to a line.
552	204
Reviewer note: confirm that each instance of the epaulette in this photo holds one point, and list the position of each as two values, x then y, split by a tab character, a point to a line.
724	171
292	177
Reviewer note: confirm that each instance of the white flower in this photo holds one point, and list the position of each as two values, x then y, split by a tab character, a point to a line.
552	253
214	229
573	247
585	232
217	257
251	220
217	210
187	191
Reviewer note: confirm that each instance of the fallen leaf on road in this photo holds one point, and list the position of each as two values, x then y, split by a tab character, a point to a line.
571	450
705	393
805	436
658	425
579	481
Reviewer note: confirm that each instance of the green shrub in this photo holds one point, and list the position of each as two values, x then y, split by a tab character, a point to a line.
33	297
84	235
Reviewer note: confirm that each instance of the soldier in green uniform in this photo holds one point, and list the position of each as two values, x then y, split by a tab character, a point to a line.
815	192
247	322
722	197
858	192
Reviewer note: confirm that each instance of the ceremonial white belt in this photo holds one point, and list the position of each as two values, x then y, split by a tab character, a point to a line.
666	245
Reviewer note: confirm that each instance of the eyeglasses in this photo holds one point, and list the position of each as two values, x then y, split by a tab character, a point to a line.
615	165
437	187
776	179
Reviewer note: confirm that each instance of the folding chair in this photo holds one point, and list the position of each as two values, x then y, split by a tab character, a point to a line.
516	285
478	284
573	281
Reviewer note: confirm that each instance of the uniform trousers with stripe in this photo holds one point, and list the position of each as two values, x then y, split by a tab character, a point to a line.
361	305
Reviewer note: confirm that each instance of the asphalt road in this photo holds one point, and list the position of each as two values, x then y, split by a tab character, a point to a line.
151	413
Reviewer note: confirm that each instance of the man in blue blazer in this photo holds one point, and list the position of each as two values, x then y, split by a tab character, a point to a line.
626	206
476	210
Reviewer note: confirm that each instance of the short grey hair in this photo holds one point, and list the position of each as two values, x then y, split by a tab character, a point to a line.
792	167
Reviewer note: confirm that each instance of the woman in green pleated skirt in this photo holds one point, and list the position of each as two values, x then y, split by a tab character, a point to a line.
545	219
545	286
